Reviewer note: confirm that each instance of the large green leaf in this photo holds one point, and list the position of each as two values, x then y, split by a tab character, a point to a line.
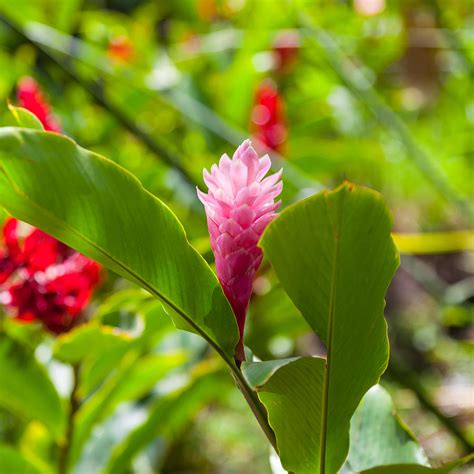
101	210
26	389
376	424
334	256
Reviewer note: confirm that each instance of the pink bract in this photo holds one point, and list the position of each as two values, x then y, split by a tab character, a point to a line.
239	205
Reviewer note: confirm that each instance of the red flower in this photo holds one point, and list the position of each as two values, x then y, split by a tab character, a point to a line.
10	256
43	279
267	117
7	266
12	241
32	99
285	49
120	49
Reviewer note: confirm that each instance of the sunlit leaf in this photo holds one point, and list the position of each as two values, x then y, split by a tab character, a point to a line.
101	210
25	118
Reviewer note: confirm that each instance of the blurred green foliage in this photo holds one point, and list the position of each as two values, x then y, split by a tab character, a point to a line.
385	101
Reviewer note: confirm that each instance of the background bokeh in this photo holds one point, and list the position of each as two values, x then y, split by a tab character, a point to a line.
378	92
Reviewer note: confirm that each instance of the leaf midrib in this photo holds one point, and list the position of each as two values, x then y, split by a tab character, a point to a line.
327	373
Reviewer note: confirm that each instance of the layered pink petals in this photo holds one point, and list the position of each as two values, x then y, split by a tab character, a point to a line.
239	204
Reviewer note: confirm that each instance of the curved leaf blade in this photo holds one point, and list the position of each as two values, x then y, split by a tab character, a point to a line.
340	241
291	391
100	209
25	118
376	424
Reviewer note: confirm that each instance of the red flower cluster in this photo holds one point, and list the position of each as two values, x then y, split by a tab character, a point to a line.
268	122
42	279
31	98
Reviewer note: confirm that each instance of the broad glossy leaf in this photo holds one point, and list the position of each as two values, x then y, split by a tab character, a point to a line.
101	210
26	389
376	424
334	256
13	462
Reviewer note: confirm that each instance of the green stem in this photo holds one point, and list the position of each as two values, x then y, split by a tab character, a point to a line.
255	405
74	404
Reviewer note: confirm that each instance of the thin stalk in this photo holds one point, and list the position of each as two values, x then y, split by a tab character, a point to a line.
74	404
255	405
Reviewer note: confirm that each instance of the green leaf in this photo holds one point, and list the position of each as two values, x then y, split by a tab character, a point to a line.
417	469
86	340
168	416
258	374
340	242
101	210
376	424
13	462
291	390
146	372
26	389
25	118
132	379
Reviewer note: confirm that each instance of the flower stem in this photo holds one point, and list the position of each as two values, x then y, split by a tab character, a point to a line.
74	404
258	409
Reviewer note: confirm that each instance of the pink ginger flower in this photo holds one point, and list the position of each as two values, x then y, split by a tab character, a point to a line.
239	205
